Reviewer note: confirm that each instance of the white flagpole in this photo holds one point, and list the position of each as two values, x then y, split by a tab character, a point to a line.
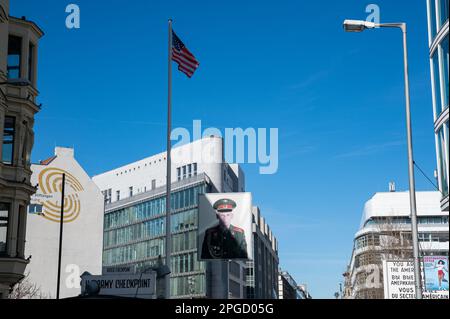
169	164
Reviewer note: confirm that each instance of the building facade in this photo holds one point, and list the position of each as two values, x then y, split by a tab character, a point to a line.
82	231
385	234
288	288
262	270
438	28
134	221
19	39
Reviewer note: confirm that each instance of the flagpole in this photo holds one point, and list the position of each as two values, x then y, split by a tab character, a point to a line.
169	163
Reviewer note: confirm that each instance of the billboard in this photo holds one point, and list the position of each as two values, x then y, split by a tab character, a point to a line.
225	226
399	278
435	273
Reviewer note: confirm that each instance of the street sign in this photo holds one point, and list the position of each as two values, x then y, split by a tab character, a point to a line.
123	285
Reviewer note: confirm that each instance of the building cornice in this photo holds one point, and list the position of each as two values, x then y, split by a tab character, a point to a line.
29	24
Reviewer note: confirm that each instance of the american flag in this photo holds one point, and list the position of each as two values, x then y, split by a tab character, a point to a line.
187	63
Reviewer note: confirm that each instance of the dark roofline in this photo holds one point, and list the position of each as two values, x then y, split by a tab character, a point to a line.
47	161
29	22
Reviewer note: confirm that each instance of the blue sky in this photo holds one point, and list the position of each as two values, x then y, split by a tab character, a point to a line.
337	99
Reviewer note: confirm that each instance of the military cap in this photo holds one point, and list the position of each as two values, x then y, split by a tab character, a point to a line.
224	205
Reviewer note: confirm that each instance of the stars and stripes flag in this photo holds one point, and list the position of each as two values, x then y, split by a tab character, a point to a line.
187	63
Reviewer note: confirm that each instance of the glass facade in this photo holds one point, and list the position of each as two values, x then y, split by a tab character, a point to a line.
135	236
438	14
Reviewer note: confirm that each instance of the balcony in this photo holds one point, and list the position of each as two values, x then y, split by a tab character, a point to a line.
12	270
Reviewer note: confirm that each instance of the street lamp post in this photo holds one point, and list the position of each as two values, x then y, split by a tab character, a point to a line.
359	26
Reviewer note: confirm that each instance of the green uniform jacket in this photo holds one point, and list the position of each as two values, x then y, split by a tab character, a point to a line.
222	243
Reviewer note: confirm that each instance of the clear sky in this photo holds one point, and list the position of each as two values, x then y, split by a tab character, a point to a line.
337	99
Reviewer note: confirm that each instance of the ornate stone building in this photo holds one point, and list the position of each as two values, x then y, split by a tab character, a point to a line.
18	74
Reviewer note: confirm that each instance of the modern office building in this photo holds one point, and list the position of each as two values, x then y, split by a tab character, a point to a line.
82	231
385	234
262	270
19	40
134	222
288	288
439	63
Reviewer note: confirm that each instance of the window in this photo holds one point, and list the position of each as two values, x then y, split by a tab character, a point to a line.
4	212
184	172
179	173
437	83
195	169
432	18
443	11
444	68
189	170
131	191
154	184
117	195
31	62
14	57
8	140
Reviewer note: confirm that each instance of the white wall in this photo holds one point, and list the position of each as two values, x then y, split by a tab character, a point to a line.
83	237
207	153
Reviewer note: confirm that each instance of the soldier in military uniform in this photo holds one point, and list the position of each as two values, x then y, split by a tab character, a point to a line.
224	241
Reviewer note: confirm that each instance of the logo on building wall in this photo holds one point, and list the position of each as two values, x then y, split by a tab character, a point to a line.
47	201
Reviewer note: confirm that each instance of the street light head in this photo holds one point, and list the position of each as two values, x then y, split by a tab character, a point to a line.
357	25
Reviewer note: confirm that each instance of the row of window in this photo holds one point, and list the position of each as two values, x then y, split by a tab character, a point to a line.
149	229
423	220
186	171
131	253
184	263
179	200
184	241
434	237
188	285
139	167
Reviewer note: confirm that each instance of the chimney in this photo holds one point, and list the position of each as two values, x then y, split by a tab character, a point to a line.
392	187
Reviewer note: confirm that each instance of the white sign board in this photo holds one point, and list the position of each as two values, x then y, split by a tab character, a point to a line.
399	279
123	285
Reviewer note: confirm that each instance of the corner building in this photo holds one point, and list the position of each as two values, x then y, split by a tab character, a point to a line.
19	40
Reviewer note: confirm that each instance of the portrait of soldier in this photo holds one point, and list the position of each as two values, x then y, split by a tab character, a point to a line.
224	241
